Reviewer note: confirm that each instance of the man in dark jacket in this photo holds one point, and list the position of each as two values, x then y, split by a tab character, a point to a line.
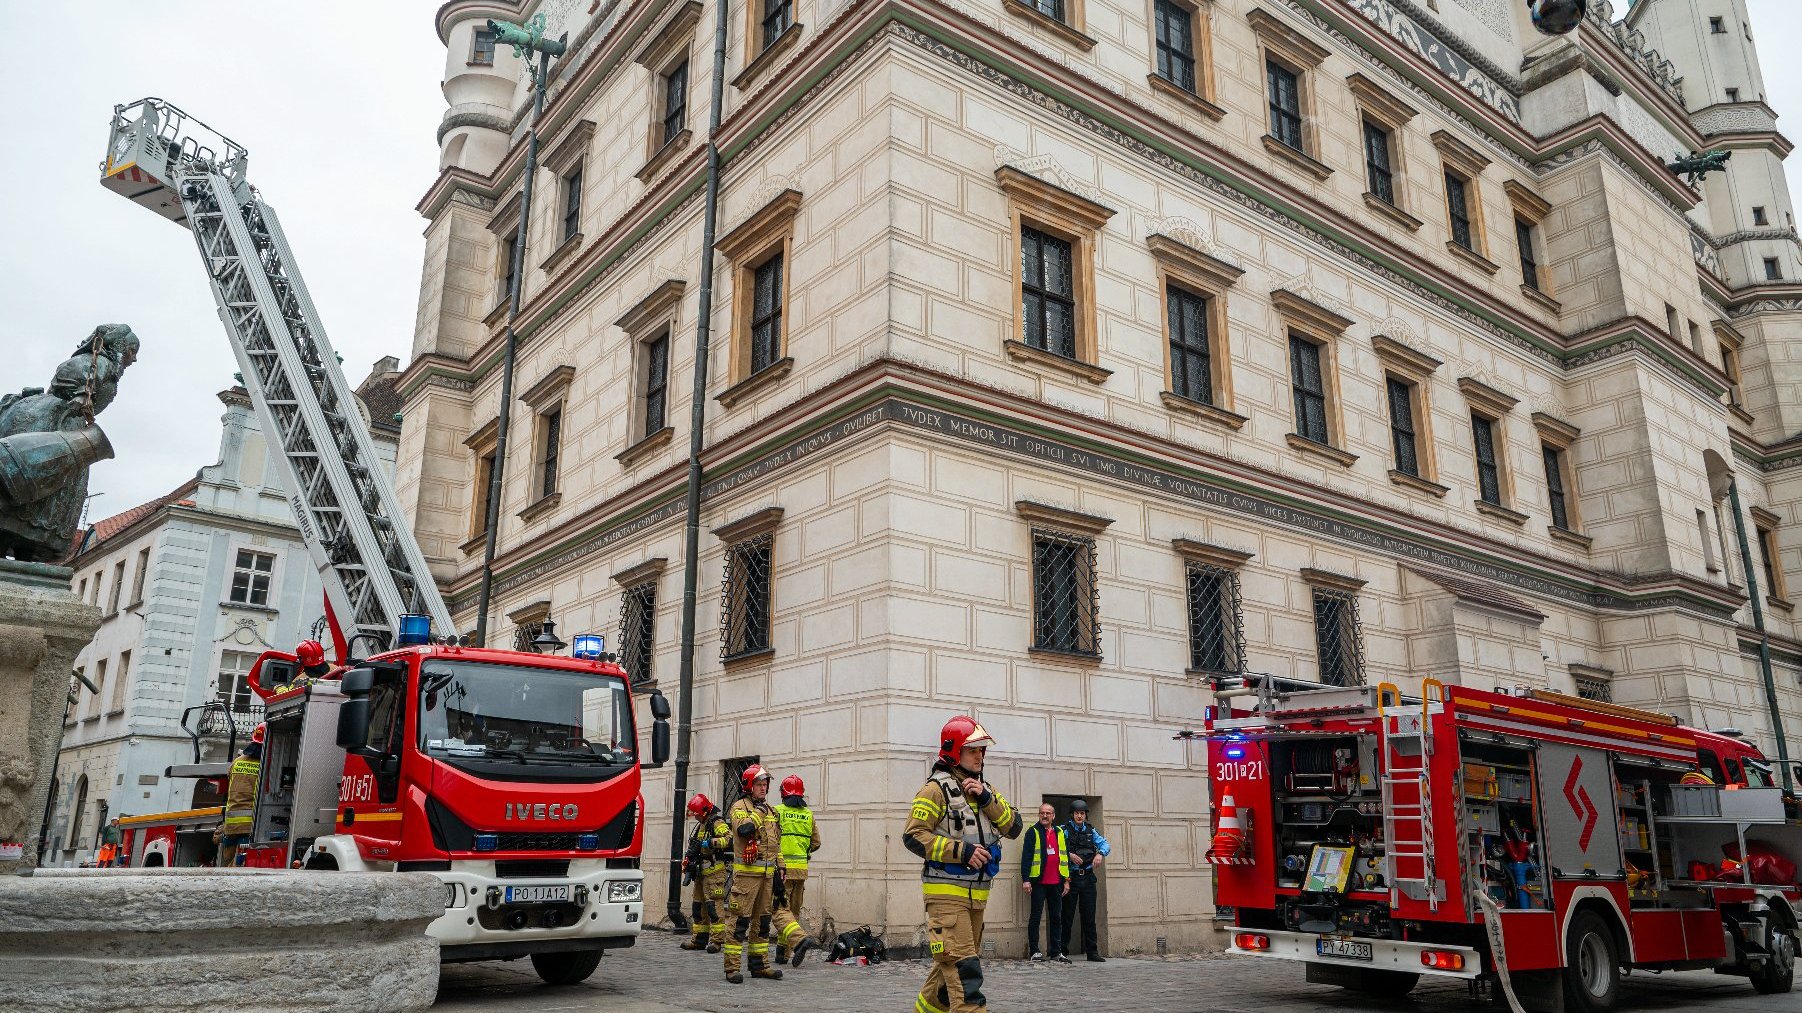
1088	849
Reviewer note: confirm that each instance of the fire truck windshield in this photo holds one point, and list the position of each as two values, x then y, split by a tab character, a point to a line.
477	711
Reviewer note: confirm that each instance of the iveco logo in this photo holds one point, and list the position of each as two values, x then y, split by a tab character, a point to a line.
538	811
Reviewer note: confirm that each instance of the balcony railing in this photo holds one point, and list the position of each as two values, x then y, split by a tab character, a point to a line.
223	721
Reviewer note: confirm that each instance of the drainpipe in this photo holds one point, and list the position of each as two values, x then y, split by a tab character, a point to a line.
492	510
697	420
1764	638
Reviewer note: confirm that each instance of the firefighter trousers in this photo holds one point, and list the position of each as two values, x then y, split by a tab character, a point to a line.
793	890
707	907
754	914
955	939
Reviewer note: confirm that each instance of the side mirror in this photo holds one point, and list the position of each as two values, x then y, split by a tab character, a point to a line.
357	682
659	705
353	721
659	742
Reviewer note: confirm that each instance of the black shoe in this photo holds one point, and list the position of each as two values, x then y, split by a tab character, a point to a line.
1060	958
1097	958
736	978
713	947
782	956
801	949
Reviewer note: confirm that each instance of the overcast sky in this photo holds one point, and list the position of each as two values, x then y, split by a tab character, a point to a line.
338	103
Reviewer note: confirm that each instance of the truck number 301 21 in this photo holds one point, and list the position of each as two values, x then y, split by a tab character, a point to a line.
1240	770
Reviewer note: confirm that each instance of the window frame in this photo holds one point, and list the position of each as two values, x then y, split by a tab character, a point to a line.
1380	110
1531	210
549	401
1415	369
121	678
1760	216
138	578
1323	328
1182	267
482	445
761	52
1770	556
655	316
1493	407
1165	15
571	214
1559	438
768	232
1045	207
1044	522
753	533
1283	46
1733	365
567	161
117	593
476	49
238	567
1042	288
671	46
1202	96
1465	164
1344	592
1773	269
633	583
1224	563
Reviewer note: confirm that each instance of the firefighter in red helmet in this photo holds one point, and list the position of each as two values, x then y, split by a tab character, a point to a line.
240	799
756	846
956	825
311	656
705	866
800	839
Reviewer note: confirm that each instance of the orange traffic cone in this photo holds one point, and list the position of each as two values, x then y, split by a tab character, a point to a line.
1230	843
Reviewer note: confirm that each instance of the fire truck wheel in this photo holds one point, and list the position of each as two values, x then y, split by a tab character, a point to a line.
1777	974
1385	984
1591	965
566	968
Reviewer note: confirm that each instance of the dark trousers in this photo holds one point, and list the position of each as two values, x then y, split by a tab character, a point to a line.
1082	894
1044	896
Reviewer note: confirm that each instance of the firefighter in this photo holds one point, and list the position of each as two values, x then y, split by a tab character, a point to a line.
241	799
1088	849
709	846
756	844
956	825
311	656
800	838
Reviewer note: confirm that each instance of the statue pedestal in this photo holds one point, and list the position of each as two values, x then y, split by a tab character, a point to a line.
42	627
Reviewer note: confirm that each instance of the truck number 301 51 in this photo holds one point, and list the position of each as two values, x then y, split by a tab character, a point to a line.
356	787
1240	770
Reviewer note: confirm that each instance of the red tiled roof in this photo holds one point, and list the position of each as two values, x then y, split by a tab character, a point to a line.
102	531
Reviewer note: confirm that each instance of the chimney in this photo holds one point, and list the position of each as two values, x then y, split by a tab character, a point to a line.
384	366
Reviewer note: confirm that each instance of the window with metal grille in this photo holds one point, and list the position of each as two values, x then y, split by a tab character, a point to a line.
1175	43
1489	474
778	15
481	48
732	784
1554	485
1285	103
1457	208
1529	261
1048	292
1595	689
766	313
675	101
1401	426
1379	170
1338	638
1191	372
656	383
526	633
745	598
572	203
1309	387
1065	597
552	423
637	630
1053	9
1216	624
250	577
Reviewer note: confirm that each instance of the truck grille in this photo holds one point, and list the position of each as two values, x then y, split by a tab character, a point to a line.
538	842
532	868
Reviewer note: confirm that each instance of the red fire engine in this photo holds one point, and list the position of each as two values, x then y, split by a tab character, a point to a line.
1534	840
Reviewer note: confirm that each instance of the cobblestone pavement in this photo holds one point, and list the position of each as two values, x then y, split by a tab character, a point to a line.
657	977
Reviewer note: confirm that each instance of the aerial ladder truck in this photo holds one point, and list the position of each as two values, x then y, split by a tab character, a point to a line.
511	776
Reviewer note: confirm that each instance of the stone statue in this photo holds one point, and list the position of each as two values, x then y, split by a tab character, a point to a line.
1693	166
48	440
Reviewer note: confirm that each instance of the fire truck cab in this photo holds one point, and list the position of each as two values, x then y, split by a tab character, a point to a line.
1537	841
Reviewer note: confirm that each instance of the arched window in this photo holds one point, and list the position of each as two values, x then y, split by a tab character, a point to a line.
77	812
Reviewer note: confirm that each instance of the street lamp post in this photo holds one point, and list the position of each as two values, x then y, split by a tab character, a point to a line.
526	40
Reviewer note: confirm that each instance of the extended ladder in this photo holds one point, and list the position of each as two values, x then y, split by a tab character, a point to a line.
343	503
1407	784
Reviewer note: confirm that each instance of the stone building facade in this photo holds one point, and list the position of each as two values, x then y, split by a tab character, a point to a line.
193	586
1066	350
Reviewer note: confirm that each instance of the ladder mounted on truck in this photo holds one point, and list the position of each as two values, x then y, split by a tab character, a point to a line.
1407	752
345	507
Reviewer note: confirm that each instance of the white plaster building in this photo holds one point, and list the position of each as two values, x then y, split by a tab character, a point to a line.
1064	350
193	586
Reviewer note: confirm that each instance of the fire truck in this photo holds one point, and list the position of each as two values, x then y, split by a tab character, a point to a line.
512	776
1529	840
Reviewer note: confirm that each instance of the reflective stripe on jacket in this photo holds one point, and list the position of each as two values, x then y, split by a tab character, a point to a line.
241	794
944	827
1033	857
768	835
715	838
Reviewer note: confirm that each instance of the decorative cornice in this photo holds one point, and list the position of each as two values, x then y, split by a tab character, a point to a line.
570	149
749	235
671	35
549	387
1214	272
1062	518
1391	110
1330	581
1555	430
1482	395
1209	554
1308	313
1393	353
638	573
1285	39
1031	190
653	308
1531	206
749	526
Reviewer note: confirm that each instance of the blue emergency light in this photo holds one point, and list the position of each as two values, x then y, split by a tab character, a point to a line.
414	630
589	646
487	842
588	842
1235	752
